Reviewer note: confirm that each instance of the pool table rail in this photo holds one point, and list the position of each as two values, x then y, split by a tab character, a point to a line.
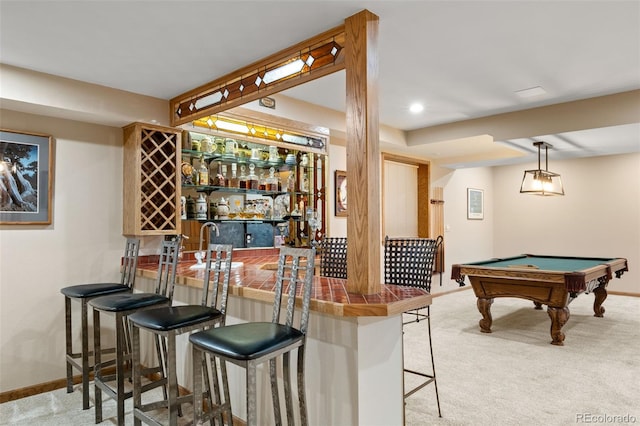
545	280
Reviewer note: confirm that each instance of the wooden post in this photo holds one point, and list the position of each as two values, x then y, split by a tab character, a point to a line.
363	153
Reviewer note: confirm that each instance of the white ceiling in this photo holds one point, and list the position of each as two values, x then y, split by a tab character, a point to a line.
461	59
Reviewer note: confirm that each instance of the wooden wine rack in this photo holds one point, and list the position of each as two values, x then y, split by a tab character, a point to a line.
151	194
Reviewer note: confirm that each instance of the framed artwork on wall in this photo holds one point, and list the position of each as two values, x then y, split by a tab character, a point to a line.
475	204
26	178
341	193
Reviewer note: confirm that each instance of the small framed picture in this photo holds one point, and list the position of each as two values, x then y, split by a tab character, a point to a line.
475	204
341	193
26	178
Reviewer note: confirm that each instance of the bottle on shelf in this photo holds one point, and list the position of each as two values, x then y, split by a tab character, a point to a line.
224	180
304	182
234	181
203	173
252	180
243	179
291	181
278	181
304	160
272	181
214	167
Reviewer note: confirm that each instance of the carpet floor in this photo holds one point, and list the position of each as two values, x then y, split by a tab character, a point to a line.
512	376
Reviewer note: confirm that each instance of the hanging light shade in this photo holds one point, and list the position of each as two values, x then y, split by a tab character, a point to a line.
542	182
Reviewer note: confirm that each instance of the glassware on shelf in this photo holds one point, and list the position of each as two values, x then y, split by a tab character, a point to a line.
223	209
290	159
203	173
278	181
291	181
236	206
214	167
191	208
304	182
271	181
252	180
234	181
262	182
201	207
219	179
225	177
243	180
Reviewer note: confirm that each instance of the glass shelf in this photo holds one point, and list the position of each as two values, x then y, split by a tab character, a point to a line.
212	188
280	165
255	220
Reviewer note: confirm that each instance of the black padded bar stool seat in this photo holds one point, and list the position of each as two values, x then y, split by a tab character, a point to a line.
127	302
246	343
120	306
84	293
250	344
174	317
169	322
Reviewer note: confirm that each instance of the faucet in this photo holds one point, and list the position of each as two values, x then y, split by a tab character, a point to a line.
199	255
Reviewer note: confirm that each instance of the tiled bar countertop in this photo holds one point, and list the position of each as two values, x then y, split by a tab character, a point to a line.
255	280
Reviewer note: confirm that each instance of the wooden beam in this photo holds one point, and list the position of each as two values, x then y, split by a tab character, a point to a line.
363	155
320	55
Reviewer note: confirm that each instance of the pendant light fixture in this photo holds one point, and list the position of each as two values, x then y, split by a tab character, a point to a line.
542	182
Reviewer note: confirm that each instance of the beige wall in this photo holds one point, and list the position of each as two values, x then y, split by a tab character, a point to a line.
600	216
83	244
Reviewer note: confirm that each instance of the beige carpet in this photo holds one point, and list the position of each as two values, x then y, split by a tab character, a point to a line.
510	377
514	376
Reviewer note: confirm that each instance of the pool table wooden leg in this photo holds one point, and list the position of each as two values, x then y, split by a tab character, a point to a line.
559	317
484	306
600	294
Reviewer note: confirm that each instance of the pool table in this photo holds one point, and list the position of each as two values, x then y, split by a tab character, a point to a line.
546	280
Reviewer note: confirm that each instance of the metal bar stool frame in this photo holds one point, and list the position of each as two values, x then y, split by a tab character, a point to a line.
409	262
169	322
83	293
120	306
250	344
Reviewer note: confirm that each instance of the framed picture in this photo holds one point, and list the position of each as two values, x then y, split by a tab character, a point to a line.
475	204
341	193
26	178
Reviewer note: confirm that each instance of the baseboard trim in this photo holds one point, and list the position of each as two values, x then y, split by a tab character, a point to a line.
25	392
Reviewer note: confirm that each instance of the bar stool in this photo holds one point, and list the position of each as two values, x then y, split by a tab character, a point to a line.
83	293
409	262
170	321
333	257
120	306
250	344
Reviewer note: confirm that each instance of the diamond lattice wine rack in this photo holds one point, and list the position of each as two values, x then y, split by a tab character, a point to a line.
151	184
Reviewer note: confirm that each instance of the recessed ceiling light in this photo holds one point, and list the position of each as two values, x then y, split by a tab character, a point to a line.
416	108
531	92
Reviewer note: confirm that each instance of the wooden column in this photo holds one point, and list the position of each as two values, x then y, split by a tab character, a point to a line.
363	153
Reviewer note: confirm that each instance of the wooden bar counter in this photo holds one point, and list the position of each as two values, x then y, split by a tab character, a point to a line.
354	347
